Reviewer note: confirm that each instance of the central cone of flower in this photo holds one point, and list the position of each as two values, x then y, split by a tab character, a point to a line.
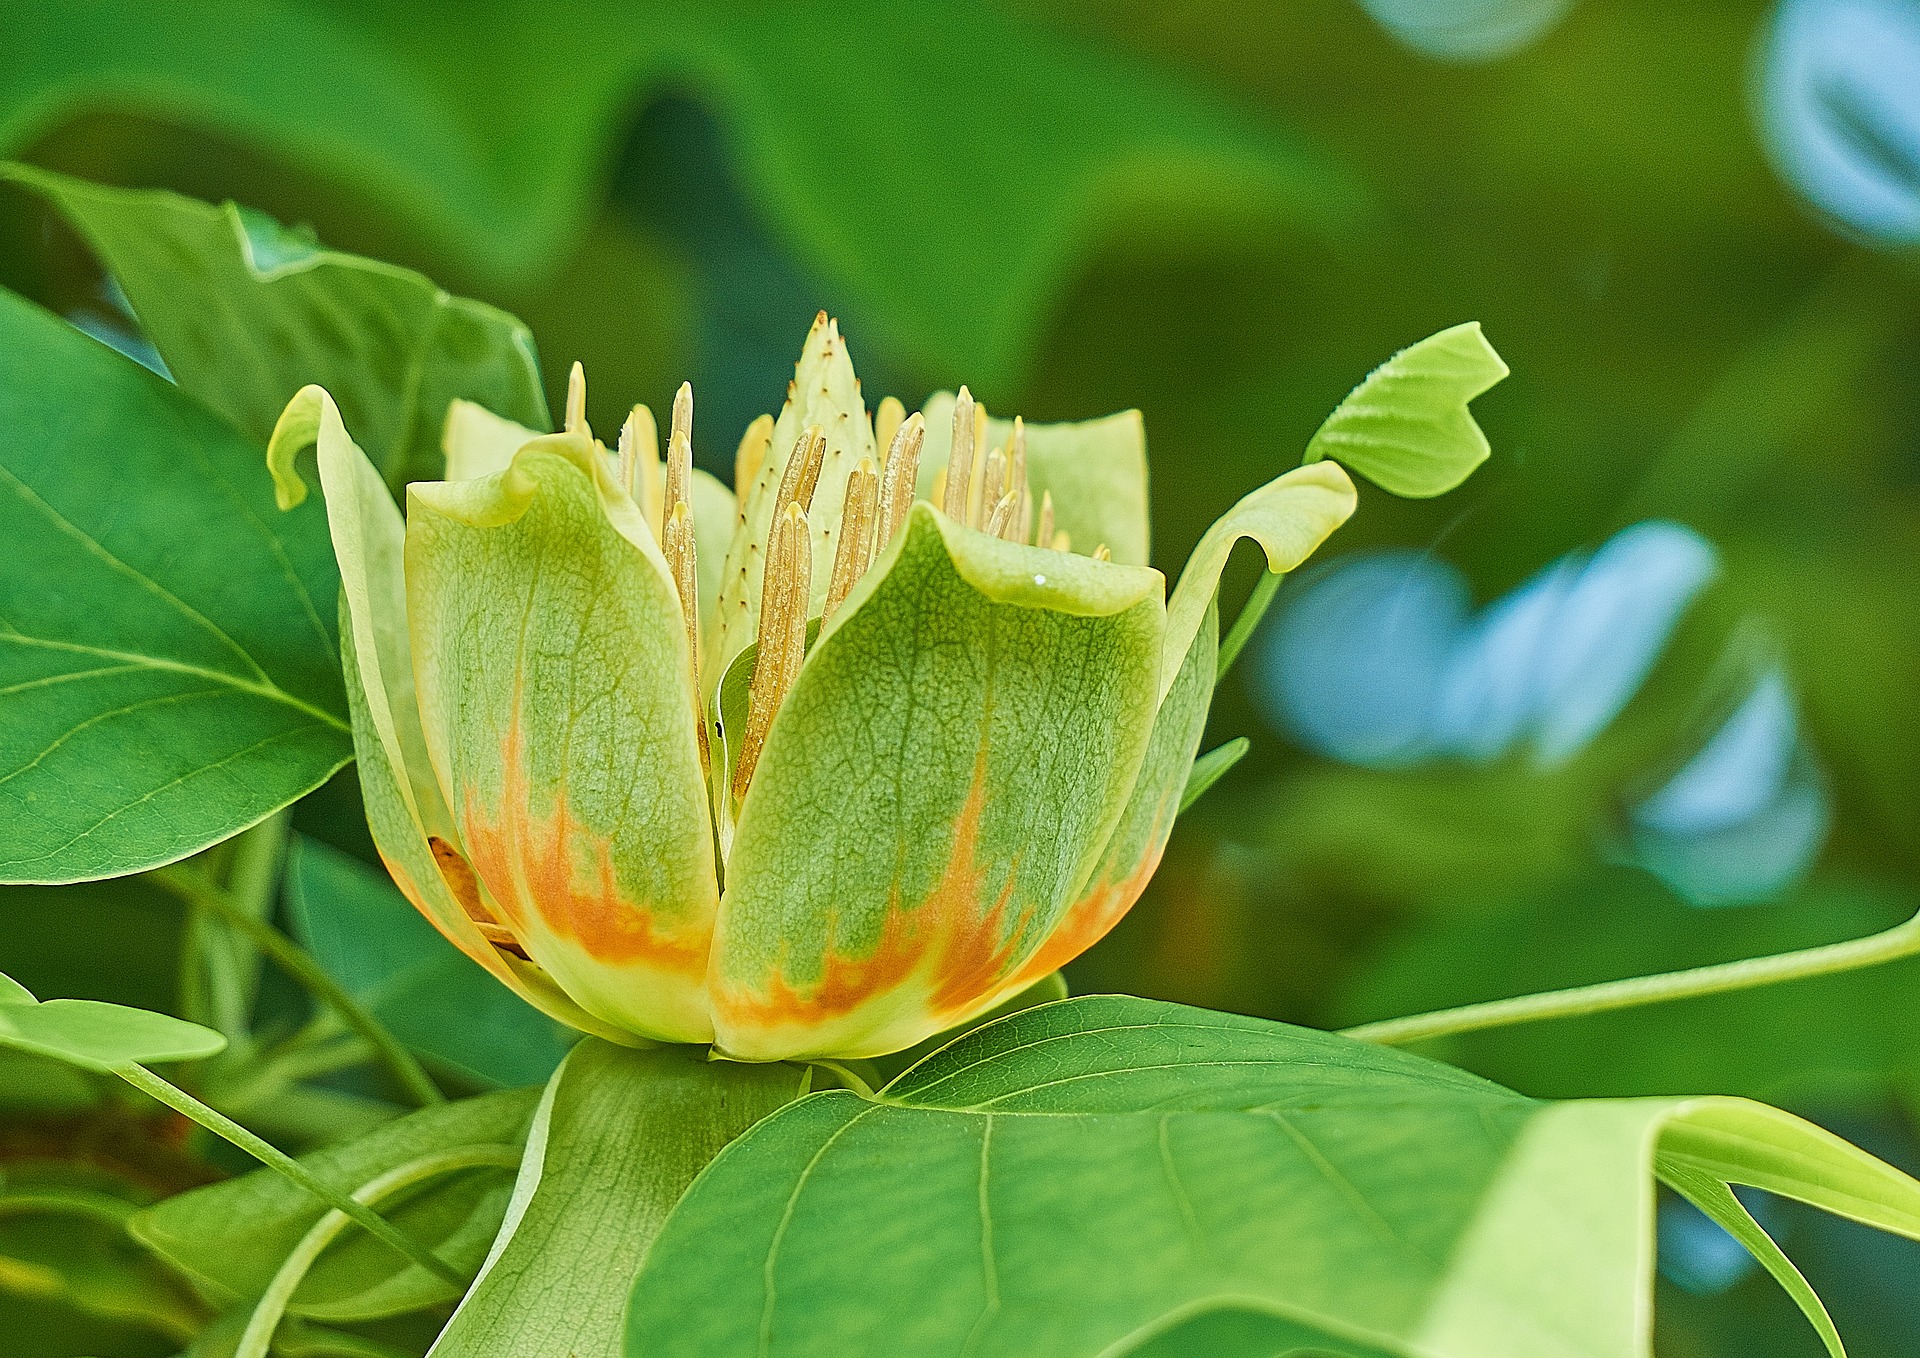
820	765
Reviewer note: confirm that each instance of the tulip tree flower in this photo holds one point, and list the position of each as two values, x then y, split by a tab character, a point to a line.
822	765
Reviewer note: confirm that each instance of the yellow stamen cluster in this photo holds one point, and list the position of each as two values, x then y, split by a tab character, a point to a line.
991	494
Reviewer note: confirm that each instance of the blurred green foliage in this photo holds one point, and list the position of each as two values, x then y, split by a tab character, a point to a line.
1222	213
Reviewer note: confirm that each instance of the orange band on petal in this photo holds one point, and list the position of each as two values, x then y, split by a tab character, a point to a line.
956	948
524	859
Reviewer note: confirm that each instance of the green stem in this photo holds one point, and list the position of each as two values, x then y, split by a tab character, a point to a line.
294	960
273	1157
1903	940
258	1336
1249	619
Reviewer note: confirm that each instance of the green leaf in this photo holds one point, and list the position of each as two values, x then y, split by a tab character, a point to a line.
245	313
620	1135
1406	427
492	139
935	790
95	1035
169	670
1083	1177
233	1236
431	996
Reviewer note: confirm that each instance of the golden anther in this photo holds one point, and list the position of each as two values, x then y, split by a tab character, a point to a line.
802	472
1101	553
1044	537
683	561
783	635
679	488
856	535
577	401
1061	541
897	483
888	416
959	488
1017	480
751	453
993	483
1000	522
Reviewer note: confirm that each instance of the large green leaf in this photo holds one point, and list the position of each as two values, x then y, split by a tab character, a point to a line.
488	129
233	1236
245	313
169	668
1089	1176
619	1137
95	1035
429	994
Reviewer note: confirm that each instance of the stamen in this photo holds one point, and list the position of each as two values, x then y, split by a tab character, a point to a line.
1101	553
683	561
1000	522
802	472
993	484
856	535
680	452
783	635
887	419
460	880
1061	541
1044	538
897	485
939	495
959	487
640	465
577	401
1017	481
751	453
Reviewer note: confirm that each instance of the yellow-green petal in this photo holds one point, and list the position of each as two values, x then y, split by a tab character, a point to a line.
478	442
939	785
403	801
1133	851
556	694
1289	517
1096	470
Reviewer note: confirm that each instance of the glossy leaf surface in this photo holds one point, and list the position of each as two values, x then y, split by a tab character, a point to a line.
161	687
1078	1178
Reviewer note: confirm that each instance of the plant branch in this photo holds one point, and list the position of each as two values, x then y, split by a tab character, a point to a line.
1903	940
196	889
1242	630
273	1157
258	1337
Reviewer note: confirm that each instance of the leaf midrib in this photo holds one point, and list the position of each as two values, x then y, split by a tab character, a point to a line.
135	660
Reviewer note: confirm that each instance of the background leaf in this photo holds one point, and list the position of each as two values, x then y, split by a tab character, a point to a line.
233	1236
429	994
245	312
160	689
489	138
